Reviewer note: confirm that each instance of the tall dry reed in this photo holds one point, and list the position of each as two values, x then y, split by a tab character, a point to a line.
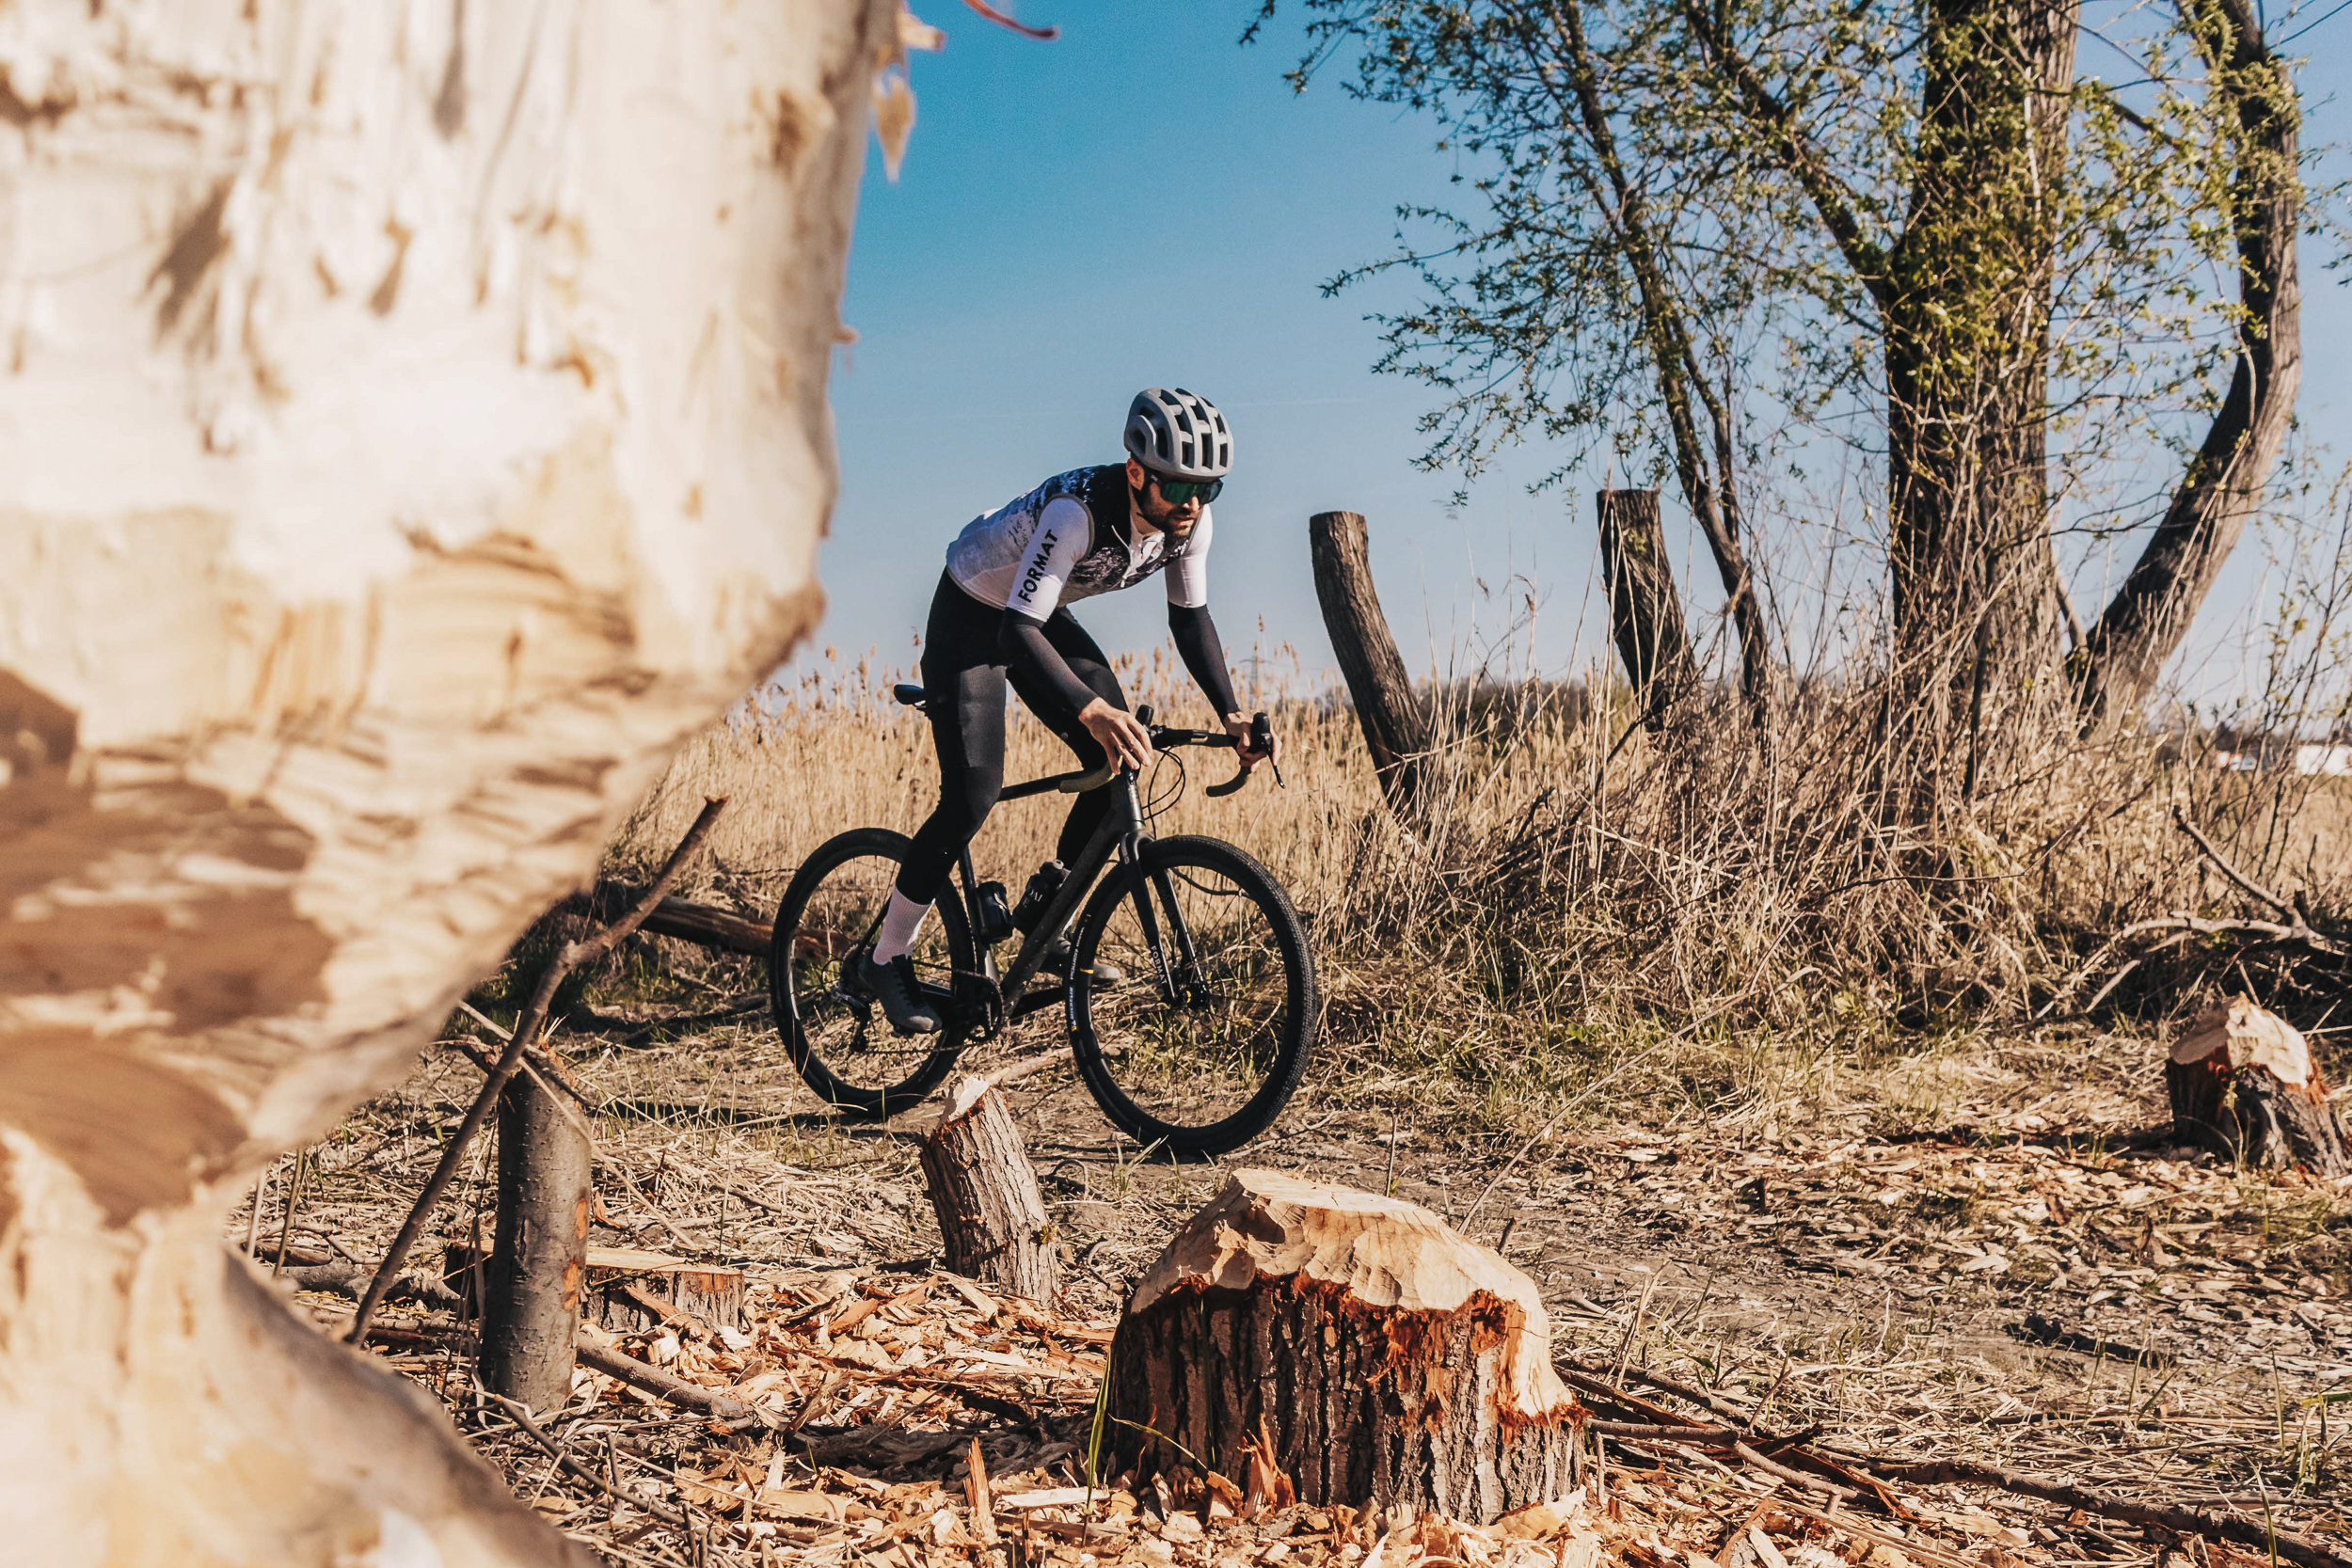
1580	891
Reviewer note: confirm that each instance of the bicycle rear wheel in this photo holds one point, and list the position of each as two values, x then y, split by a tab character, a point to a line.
843	1046
1200	1047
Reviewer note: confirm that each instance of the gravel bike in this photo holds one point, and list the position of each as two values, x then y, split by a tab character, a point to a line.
1193	1050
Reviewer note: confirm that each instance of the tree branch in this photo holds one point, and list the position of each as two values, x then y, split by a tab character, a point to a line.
1797	153
527	1030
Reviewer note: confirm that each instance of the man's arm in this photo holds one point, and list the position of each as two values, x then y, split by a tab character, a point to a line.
1204	654
1023	644
1188	619
1061	536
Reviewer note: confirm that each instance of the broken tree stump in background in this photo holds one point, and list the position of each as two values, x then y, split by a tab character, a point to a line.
626	1289
1396	730
990	1214
1644	611
1383	1358
532	1291
2243	1084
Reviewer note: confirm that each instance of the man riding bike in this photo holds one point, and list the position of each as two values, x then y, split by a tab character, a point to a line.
1002	612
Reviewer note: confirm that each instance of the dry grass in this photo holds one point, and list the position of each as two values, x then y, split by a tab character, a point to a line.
1591	918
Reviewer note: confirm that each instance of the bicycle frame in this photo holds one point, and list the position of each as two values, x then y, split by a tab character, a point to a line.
1121	835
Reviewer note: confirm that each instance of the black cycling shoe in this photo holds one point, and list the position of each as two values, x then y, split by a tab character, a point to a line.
1056	962
893	985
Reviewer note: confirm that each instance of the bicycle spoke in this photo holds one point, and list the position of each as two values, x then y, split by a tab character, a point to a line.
1198	1048
845	1048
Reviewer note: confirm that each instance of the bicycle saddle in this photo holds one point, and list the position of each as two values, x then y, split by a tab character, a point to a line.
907	693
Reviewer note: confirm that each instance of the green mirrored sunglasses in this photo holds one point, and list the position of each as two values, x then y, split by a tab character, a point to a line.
1178	491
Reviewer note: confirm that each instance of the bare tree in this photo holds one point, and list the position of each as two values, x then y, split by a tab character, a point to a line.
1949	245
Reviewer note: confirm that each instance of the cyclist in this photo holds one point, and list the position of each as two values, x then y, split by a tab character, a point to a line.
1002	612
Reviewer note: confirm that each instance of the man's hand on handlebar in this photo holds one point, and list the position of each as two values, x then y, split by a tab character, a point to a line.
1240	727
1119	732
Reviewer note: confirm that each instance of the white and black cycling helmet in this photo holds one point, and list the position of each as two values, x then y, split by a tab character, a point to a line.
1179	435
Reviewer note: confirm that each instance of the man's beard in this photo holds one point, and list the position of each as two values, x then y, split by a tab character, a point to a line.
1168	522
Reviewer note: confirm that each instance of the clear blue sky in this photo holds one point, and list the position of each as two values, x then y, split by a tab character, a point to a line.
1144	202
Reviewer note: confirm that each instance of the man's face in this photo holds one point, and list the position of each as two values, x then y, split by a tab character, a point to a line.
1156	509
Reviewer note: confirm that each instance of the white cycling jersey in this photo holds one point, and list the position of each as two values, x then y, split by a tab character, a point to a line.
1069	539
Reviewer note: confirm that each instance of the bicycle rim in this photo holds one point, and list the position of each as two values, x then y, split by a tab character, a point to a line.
845	1048
1202	1043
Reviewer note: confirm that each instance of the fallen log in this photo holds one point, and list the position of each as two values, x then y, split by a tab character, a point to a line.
991	1216
1364	1349
704	925
2243	1084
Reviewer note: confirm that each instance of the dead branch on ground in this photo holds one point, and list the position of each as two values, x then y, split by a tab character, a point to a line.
527	1031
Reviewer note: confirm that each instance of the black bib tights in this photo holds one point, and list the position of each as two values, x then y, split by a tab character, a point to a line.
965	670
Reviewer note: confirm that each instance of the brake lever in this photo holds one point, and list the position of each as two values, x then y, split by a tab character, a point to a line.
1262	742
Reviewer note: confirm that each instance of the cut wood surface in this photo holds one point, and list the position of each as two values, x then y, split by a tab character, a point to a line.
2243	1084
1396	728
412	440
1380	1357
991	1215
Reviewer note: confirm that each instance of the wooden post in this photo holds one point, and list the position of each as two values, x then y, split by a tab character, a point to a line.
1365	1350
990	1214
1396	728
1644	611
539	1259
2243	1084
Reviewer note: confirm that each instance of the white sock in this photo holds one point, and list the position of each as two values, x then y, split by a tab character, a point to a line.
901	923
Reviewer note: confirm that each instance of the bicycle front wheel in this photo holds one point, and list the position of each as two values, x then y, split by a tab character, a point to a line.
1199	1046
843	1046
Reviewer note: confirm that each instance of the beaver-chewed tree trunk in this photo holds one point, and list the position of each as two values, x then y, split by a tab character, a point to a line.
416	431
990	1214
1383	1358
2243	1084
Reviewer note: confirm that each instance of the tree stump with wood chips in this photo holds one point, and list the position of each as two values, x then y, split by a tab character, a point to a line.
990	1214
1354	1344
2243	1084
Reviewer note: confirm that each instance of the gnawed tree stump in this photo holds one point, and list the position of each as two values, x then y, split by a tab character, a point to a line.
2243	1084
628	1290
1380	1356
991	1215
